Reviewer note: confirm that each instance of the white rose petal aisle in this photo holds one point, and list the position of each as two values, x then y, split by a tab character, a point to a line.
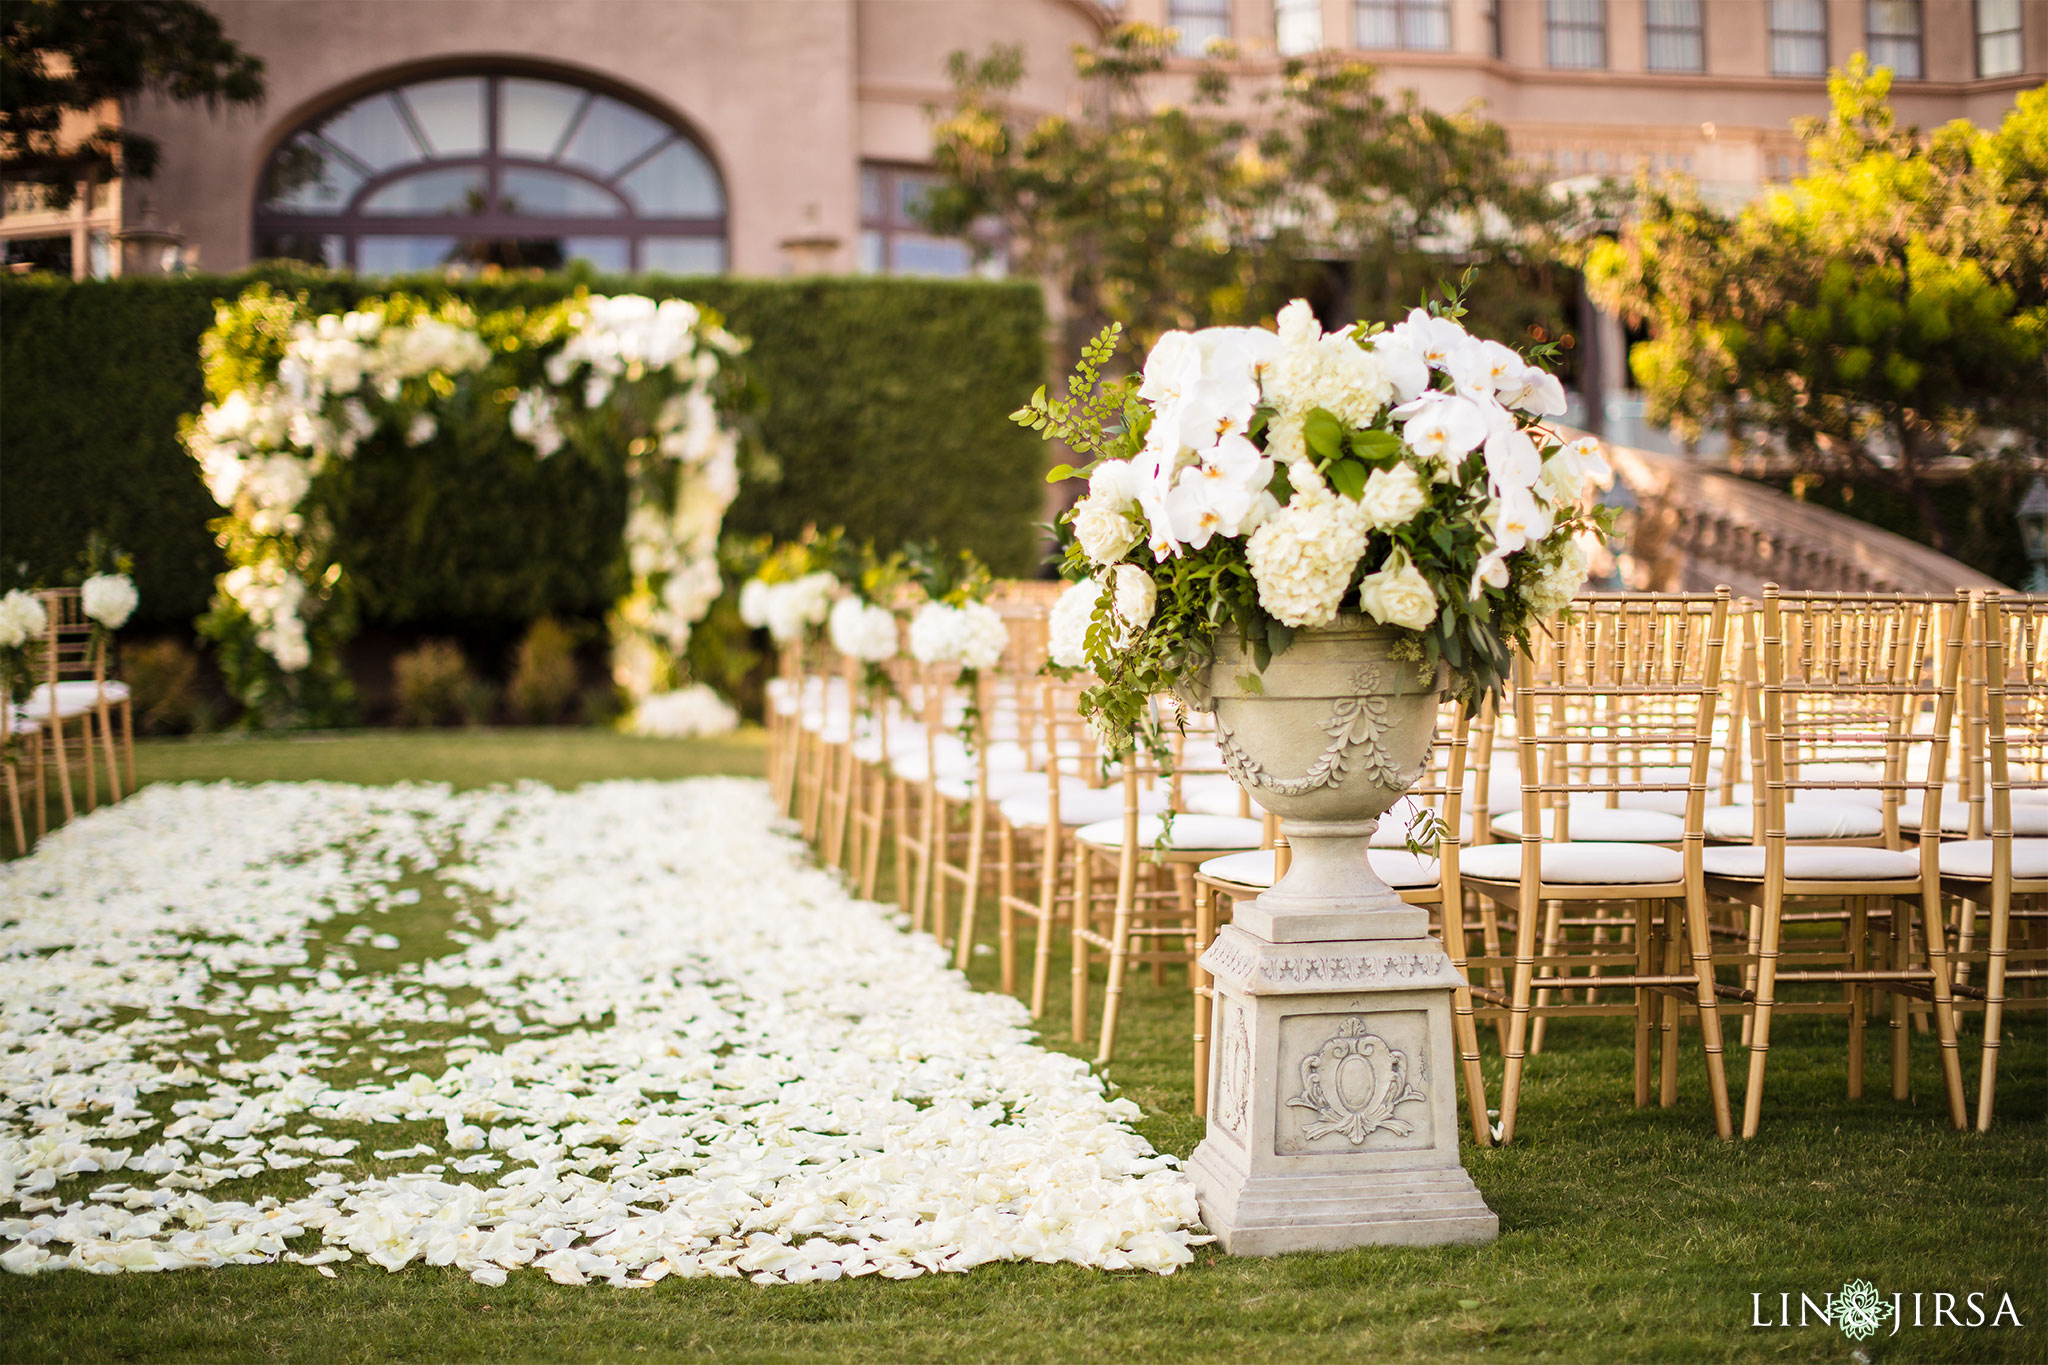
694	1055
298	396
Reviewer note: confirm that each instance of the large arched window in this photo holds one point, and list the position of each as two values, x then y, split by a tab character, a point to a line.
492	170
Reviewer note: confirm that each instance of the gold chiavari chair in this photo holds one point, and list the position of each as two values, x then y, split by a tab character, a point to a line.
1619	705
1151	916
1848	705
75	702
2006	872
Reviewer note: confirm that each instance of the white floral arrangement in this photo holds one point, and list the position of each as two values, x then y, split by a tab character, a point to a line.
109	599
1264	481
862	630
684	713
789	609
648	382
969	634
23	619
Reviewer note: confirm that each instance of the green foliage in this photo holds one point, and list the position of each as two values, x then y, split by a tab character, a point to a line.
435	685
63	61
884	407
1884	313
1181	215
544	679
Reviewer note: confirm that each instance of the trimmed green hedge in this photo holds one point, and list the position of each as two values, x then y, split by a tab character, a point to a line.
885	406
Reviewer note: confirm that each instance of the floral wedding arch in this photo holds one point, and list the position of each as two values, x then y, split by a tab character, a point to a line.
295	396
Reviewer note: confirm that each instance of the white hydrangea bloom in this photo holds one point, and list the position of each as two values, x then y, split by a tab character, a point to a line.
862	630
972	635
1303	556
1066	633
109	598
22	618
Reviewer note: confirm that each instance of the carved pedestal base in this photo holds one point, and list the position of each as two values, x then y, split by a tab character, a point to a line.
1333	1115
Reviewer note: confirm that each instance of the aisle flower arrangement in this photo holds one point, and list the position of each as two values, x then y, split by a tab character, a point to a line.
296	397
1265	481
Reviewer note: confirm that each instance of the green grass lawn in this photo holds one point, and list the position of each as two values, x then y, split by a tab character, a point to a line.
1626	1234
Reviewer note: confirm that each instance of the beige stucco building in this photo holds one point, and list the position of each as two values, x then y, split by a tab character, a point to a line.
774	136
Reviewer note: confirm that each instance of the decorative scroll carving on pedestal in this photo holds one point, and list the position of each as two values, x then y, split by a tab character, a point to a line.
1353	1083
1357	728
1233	1071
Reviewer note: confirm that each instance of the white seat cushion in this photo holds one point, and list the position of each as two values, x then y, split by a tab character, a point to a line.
1188	832
1598	824
1246	869
1082	807
1803	820
1815	863
1405	871
2028	821
1742	794
1001	786
1577	864
1971	859
1213	794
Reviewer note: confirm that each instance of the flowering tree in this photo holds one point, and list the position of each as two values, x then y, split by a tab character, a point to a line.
1885	312
298	399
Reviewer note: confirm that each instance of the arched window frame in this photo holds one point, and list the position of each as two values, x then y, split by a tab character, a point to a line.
352	223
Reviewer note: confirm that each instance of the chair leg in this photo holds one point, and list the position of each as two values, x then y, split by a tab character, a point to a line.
1770	917
1700	939
128	740
1526	916
1119	952
1667	1059
1006	911
1553	935
1048	905
1646	1002
1899	1006
1994	998
1948	1048
14	806
1464	1028
1859	994
970	894
55	729
1084	910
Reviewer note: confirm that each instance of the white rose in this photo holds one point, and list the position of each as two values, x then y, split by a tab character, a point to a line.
109	598
1137	596
1392	497
1106	530
1398	595
1066	630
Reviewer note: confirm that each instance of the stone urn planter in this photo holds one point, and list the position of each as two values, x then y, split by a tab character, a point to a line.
1333	1118
1327	738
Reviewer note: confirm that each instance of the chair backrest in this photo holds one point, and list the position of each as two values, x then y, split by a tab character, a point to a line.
1621	702
72	649
2014	704
1857	704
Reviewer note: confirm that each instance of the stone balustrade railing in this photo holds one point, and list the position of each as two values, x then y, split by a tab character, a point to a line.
1695	529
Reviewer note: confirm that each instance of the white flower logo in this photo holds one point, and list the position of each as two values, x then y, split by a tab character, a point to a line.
1859	1311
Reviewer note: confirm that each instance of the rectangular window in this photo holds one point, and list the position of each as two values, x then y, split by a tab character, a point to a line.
1677	35
1799	38
1198	23
1998	38
1893	30
1422	25
1489	10
1578	33
1297	26
893	242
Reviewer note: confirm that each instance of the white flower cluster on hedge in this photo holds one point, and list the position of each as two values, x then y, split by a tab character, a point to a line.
693	1055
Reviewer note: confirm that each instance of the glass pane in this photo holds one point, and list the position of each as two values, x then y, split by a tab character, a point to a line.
450	113
1998	54
307	176
1798	54
1588	12
1428	27
916	254
1798	16
1673	13
1378	24
675	182
611	136
608	254
873	253
533	115
457	190
911	192
329	250
552	194
1676	50
372	132
1297	26
1893	18
683	255
400	255
37	254
1902	55
873	201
